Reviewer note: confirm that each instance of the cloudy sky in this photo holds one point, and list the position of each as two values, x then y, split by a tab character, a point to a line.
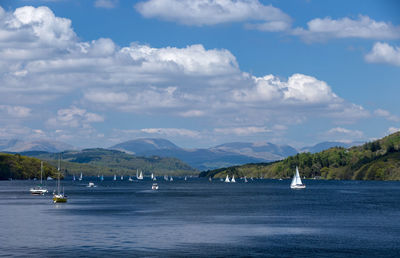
199	72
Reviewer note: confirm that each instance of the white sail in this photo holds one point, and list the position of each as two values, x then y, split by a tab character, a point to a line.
171	179
227	179
81	177
245	179
296	181
115	177
152	176
140	177
233	179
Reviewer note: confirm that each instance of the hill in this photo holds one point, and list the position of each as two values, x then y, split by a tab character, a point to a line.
327	145
16	166
93	162
377	160
228	154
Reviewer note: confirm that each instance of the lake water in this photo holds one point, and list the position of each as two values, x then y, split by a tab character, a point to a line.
199	218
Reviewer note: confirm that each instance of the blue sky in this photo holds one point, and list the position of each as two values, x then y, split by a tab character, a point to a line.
199	73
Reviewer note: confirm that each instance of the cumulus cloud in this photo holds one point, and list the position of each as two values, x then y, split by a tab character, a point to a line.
205	12
242	130
384	53
392	130
42	61
16	111
343	134
363	27
74	117
387	115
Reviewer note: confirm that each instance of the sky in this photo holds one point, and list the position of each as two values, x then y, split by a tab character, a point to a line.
200	73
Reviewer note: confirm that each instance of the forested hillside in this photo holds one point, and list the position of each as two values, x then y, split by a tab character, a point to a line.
377	160
15	166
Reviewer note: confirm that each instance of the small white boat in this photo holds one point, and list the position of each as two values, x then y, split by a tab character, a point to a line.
73	178
166	178
210	179
154	186
233	179
227	180
245	179
185	178
48	178
130	179
39	190
171	179
91	184
102	178
122	178
81	177
140	177
115	177
296	181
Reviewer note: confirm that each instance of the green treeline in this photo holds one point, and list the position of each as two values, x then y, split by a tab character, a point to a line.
16	166
377	160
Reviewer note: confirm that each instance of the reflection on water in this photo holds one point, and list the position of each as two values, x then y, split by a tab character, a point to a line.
199	218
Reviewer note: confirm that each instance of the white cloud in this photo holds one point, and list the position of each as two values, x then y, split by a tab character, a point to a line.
242	130
171	132
16	111
74	117
384	53
205	12
387	115
363	27
176	83
343	134
108	4
393	130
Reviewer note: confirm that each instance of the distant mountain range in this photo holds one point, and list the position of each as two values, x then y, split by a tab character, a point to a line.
15	145
220	156
327	145
224	155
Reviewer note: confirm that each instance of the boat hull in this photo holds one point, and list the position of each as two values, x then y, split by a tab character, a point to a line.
58	198
298	186
38	191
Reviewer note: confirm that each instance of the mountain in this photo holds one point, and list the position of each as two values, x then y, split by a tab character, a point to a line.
16	166
145	145
327	145
261	150
228	154
109	162
377	160
35	145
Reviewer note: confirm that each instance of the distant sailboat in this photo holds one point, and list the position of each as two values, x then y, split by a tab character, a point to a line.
209	179
140	177
122	178
115	177
152	176
245	179
227	180
185	178
102	178
233	179
171	179
39	190
130	179
73	178
296	181
81	177
166	178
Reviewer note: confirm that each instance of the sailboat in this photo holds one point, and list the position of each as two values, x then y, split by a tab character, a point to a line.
296	181
152	176
185	178
166	178
102	178
245	179
80	177
59	197
140	177
39	190
122	178
233	179
115	177
171	179
73	178
209	179
227	179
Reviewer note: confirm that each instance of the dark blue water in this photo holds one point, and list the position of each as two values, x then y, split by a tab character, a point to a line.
199	218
